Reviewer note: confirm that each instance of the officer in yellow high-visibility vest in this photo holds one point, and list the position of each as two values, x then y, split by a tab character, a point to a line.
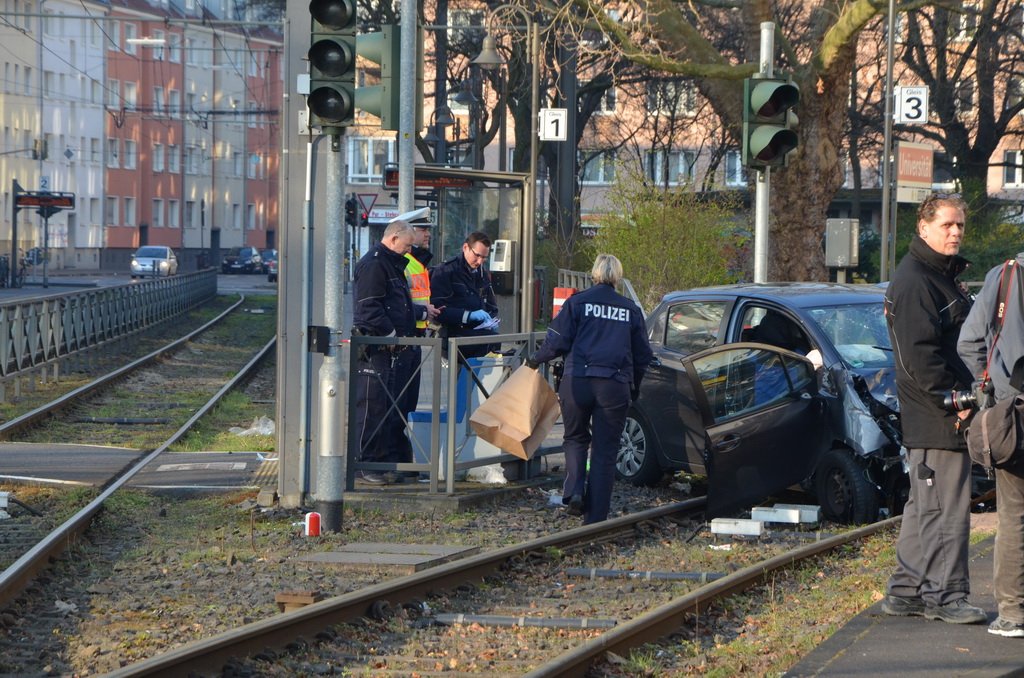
419	258
419	288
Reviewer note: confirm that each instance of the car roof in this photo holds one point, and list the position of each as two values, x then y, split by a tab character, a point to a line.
799	294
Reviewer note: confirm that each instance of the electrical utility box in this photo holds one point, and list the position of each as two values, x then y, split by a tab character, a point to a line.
842	243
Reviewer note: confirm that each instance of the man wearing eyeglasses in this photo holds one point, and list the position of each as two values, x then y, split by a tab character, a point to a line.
461	289
925	306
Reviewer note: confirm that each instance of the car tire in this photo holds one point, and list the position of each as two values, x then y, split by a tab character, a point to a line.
843	489
637	459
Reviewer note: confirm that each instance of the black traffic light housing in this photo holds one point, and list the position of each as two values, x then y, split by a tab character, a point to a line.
350	212
769	122
332	64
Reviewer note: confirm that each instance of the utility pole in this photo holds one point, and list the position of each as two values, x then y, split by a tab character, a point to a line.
762	195
407	114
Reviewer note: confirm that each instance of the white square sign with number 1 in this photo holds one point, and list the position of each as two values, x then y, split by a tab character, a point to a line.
552	124
912	105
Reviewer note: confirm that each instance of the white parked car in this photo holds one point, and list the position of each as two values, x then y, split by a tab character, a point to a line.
154	260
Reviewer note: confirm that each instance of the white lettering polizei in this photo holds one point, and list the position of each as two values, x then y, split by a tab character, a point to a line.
606	312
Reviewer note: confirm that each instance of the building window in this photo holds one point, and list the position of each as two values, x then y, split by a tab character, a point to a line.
597	167
735	172
114	93
964	23
158	213
236	216
190	211
250	217
95	154
671	167
158	50
131	94
366	159
94	211
174	102
173	159
113	150
131	154
965	97
1013	169
131	31
114	34
174	48
607	103
672	97
192	160
158	158
172	214
253	166
111	216
158	101
129	211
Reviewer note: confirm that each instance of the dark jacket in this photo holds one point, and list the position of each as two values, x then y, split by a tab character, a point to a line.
976	334
461	290
380	290
925	308
602	333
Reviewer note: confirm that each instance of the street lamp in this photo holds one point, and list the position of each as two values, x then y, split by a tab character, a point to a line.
440	118
488	59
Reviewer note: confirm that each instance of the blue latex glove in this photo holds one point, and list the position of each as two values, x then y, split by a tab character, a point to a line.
479	316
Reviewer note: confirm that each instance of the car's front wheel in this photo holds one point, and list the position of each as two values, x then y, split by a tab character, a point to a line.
637	461
844	491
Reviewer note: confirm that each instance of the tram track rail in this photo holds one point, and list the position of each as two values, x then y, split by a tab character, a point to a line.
291	631
9	429
17	576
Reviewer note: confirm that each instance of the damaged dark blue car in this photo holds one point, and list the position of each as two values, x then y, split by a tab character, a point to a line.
762	387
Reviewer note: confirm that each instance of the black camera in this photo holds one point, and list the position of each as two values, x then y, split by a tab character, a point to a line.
979	396
957	401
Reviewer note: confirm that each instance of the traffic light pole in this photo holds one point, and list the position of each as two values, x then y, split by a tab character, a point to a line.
407	114
332	443
762	196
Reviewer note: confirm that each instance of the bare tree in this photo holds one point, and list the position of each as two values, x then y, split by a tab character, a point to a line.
716	42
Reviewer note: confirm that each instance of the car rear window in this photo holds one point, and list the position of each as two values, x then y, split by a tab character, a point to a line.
693	326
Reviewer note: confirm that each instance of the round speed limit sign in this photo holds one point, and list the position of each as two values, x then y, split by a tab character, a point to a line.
912	105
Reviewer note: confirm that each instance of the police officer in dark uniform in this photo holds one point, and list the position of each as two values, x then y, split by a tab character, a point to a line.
384	308
604	340
461	289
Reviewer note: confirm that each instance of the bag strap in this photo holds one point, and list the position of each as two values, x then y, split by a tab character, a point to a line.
1006	279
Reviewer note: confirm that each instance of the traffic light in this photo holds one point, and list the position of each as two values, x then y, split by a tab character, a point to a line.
384	48
350	212
769	121
332	64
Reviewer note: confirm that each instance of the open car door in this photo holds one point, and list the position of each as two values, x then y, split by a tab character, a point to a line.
763	421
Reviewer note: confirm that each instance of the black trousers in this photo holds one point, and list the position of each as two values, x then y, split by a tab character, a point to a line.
381	376
594	414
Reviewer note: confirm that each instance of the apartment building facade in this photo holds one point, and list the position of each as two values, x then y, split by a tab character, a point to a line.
162	118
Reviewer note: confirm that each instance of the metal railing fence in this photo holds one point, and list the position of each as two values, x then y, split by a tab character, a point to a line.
446	401
35	332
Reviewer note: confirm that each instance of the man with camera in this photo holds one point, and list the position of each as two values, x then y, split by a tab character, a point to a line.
925	306
992	345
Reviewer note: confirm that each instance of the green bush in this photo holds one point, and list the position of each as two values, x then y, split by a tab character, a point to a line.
669	239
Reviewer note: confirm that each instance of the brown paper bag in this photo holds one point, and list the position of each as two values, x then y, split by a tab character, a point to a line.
519	414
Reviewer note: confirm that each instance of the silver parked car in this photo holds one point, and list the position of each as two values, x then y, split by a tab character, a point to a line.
153	261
